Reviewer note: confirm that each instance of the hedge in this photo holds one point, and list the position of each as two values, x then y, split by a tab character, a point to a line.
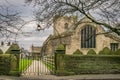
4	64
8	64
92	64
89	64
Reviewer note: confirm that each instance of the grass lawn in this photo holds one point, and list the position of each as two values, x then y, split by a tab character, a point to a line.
24	63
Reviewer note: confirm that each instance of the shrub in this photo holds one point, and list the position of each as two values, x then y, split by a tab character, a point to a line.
91	52
1	52
105	51
78	52
117	52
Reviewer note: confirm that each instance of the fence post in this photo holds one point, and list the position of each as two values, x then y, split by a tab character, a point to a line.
59	54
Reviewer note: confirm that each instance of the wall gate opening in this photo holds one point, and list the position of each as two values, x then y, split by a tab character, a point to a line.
36	65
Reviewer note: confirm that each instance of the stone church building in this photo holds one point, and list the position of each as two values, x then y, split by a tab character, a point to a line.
87	35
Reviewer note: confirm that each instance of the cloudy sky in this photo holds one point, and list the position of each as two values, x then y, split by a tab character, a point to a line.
32	37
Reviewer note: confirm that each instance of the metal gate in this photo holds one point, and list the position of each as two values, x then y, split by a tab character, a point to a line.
36	65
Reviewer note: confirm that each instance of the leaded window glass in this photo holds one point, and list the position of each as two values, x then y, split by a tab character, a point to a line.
114	46
88	37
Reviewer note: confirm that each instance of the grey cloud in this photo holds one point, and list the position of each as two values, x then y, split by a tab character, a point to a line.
36	37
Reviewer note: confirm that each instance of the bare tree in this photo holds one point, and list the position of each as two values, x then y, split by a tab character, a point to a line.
107	11
10	22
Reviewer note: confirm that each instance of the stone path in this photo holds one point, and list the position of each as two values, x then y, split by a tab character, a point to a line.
72	77
36	68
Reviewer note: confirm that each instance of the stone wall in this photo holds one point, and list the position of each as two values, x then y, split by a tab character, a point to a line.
59	24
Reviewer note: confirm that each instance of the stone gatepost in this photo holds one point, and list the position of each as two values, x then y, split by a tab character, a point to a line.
16	53
59	55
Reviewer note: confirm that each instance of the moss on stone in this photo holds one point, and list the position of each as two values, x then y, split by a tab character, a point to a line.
12	47
60	47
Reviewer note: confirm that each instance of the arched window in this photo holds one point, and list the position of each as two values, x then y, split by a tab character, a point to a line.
88	37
